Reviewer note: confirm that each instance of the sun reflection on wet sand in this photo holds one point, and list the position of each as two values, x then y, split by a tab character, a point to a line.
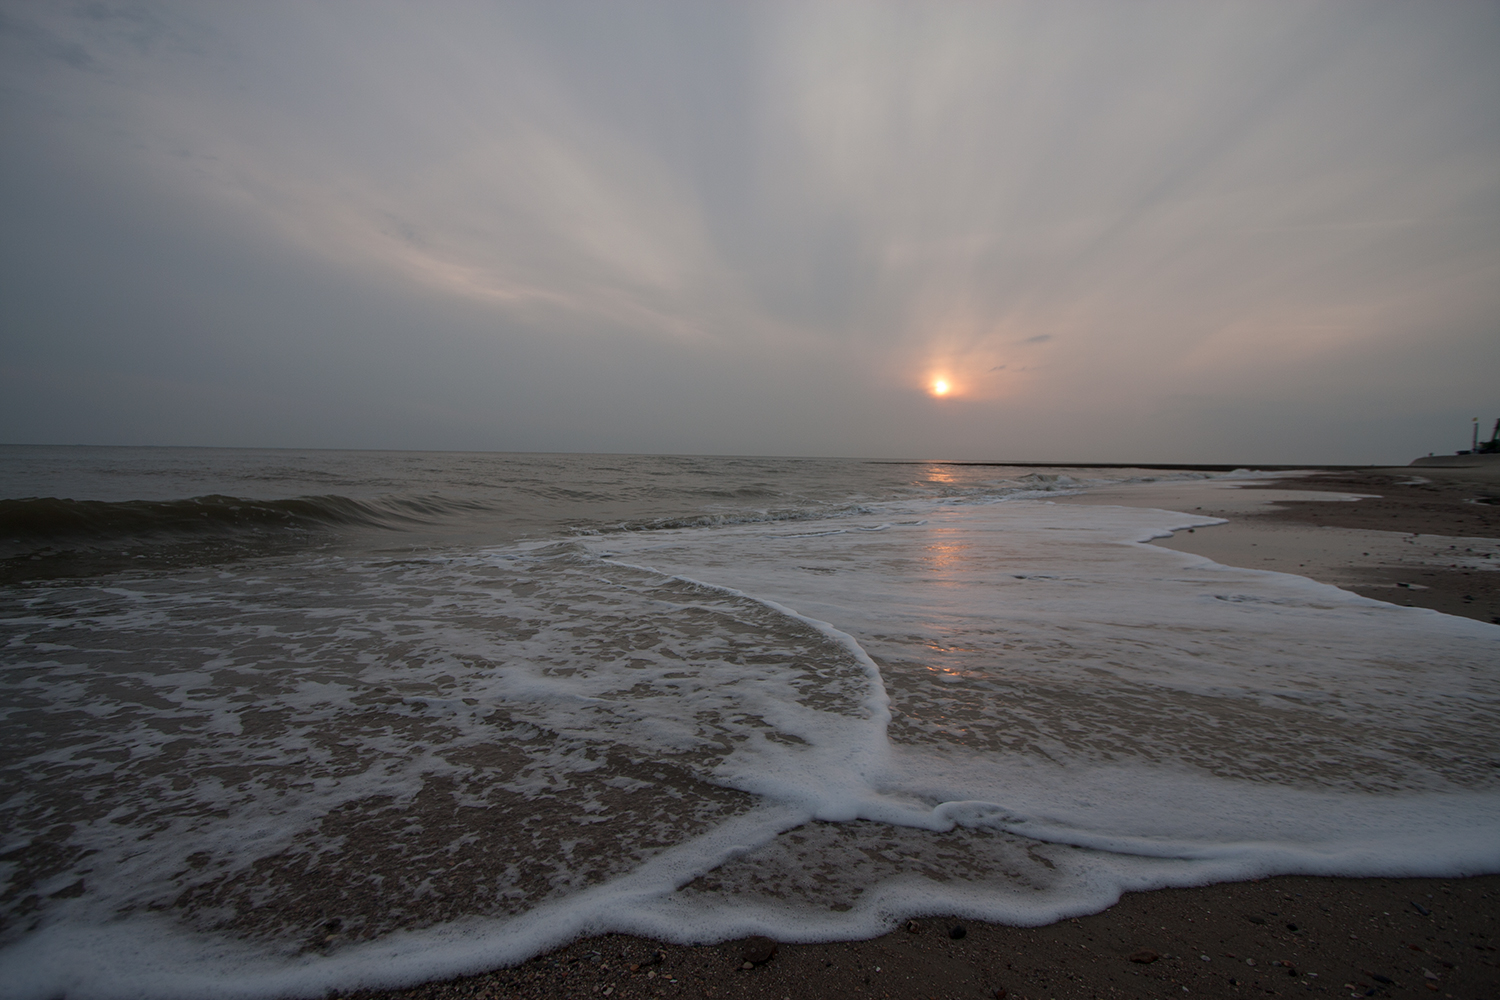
944	556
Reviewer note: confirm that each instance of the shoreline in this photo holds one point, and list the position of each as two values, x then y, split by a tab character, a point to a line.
1292	935
1280	936
1410	540
1457	576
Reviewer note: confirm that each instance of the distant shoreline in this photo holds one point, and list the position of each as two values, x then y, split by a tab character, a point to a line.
1165	466
1463	468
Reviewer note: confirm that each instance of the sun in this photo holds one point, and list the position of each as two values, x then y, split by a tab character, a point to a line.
940	387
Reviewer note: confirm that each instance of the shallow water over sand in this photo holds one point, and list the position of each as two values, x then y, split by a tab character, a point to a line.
807	706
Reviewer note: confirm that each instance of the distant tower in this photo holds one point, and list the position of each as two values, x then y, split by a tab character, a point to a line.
1474	448
1492	446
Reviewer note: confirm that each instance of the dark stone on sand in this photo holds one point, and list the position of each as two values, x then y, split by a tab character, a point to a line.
1291	927
957	932
1000	994
757	950
1256	920
1382	980
1144	957
912	927
1421	909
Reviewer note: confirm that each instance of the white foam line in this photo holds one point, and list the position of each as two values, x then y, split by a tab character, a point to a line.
147	957
877	704
1478	850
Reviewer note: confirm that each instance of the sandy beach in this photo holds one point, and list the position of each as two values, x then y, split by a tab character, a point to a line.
1403	536
1289	936
1422	540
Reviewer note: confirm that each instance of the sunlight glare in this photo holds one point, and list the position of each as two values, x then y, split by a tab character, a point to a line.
940	387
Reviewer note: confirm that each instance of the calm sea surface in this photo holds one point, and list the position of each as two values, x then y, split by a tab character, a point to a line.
278	722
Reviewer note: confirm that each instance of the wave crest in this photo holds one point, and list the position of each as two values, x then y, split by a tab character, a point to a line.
50	537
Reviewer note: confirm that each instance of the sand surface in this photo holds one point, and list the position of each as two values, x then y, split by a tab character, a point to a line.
1386	534
1290	936
1390	536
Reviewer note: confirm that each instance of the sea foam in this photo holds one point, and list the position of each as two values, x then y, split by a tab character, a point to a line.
277	780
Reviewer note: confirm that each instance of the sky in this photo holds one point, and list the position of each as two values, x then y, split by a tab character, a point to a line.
1148	231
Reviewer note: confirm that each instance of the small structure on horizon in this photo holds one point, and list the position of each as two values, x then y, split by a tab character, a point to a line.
1490	447
1481	454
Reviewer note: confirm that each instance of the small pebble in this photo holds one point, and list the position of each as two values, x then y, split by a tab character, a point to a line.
957	931
757	950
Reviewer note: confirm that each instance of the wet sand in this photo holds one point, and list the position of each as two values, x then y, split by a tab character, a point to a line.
1448	551
1409	540
1414	540
1289	936
1426	544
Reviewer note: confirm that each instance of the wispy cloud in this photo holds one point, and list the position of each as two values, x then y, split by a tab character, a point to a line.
1152	191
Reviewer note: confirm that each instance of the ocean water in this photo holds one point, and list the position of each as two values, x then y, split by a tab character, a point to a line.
274	722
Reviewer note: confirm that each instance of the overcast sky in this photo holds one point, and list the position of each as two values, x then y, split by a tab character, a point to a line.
1180	231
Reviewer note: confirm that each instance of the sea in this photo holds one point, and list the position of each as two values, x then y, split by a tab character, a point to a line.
279	723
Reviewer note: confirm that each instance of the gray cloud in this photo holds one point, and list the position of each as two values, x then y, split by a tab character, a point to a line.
1237	231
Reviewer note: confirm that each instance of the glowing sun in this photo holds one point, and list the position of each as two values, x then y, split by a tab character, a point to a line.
940	387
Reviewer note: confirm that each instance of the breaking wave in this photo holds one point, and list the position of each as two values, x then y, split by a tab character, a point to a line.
48	537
